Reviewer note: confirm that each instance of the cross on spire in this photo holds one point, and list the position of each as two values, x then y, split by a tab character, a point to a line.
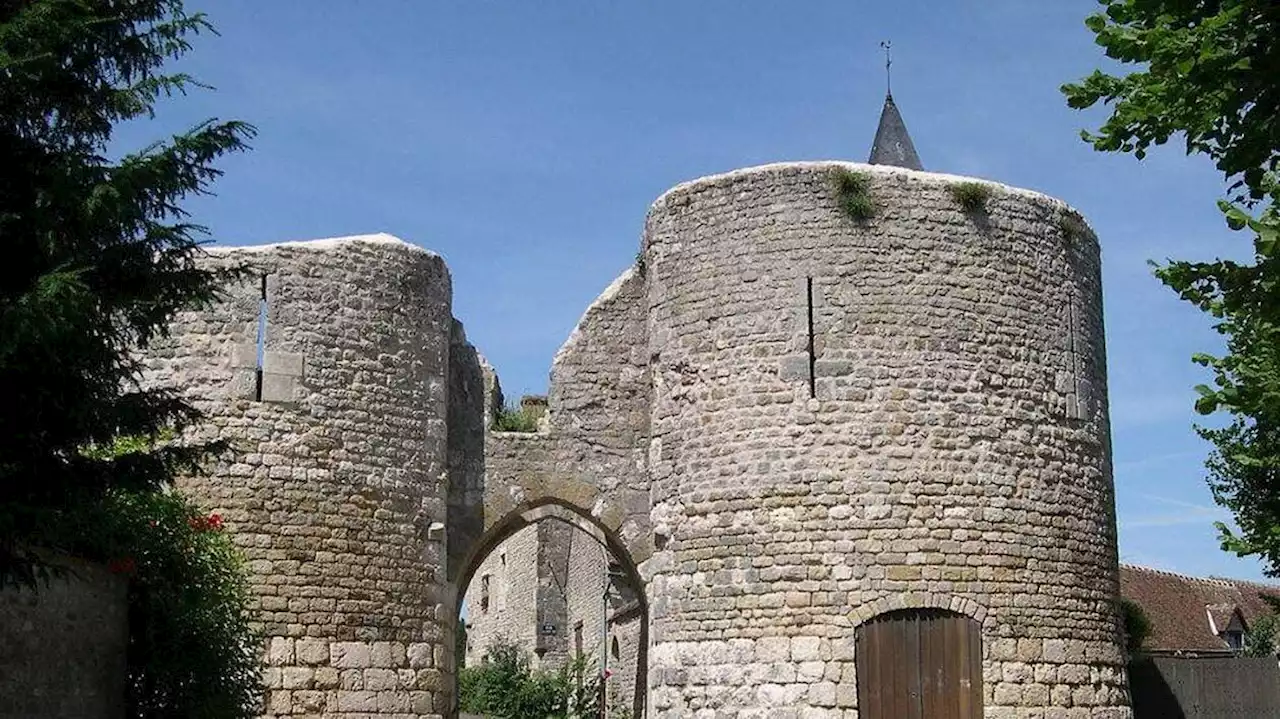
888	63
892	145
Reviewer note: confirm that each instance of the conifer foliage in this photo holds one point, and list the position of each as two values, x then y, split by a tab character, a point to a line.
99	255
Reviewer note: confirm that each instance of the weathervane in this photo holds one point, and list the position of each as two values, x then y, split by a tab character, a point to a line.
888	62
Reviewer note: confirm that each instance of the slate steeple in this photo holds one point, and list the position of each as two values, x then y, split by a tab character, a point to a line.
893	145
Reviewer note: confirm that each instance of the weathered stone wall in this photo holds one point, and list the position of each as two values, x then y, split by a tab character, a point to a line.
591	458
588	570
956	453
555	544
624	666
63	646
513	594
336	486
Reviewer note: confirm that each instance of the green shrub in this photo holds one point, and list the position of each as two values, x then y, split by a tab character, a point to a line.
192	649
1071	226
972	196
504	686
1137	627
1260	639
514	418
853	192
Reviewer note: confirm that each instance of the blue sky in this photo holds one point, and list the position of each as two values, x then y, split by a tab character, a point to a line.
524	142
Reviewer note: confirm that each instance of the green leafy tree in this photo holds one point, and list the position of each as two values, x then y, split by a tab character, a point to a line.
1207	71
1137	627
99	255
1260	640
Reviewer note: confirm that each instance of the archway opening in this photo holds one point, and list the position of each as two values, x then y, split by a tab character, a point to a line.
919	663
552	589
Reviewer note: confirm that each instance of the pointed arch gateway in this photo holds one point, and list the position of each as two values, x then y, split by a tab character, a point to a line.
553	509
921	663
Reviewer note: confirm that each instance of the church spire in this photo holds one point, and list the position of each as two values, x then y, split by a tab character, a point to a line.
892	145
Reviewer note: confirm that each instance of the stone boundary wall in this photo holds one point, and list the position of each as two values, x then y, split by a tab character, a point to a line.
783	421
63	646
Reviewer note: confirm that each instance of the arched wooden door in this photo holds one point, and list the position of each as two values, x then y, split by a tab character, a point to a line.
919	664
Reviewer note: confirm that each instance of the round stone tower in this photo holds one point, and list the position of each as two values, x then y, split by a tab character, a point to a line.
880	449
325	370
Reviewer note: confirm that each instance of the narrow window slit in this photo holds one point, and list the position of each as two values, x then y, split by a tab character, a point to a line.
262	338
813	389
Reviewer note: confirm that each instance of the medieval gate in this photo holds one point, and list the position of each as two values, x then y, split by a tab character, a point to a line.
919	664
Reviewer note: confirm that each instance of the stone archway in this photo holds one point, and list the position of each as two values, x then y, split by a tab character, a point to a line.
554	510
587	463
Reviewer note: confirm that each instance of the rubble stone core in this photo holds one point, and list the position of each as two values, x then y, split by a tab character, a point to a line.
782	422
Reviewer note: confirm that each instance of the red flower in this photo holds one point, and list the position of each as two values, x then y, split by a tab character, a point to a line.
211	523
124	566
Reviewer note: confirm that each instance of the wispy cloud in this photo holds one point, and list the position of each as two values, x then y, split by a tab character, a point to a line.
1132	411
1133	465
1191	513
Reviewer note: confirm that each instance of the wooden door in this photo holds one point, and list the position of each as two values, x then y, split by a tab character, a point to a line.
919	664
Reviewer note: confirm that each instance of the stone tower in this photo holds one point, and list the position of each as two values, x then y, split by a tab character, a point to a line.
821	444
897	418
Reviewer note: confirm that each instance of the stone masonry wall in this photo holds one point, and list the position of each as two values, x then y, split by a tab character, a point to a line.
782	421
588	569
568	591
63	645
592	455
546	574
955	451
624	667
513	582
335	488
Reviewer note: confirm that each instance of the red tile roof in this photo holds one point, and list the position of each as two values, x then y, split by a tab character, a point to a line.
1179	606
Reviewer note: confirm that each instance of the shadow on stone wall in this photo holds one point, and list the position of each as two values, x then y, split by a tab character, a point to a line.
63	646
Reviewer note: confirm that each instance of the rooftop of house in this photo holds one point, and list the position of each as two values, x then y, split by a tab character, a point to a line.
1193	614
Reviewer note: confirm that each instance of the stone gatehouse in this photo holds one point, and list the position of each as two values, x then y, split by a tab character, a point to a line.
825	450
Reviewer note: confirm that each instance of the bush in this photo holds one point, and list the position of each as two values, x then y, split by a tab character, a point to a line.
1071	226
506	687
192	649
853	192
1260	640
972	196
1137	627
514	418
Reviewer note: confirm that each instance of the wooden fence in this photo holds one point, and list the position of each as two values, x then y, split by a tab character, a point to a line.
1204	688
